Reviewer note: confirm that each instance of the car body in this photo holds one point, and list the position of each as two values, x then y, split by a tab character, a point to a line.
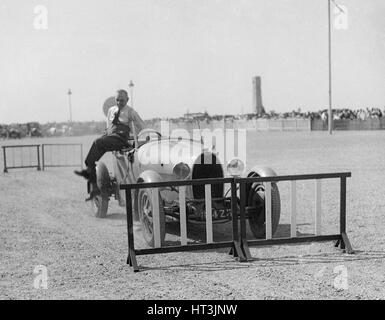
14	133
155	159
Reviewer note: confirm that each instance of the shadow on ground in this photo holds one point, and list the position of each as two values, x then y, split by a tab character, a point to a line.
221	232
323	258
116	216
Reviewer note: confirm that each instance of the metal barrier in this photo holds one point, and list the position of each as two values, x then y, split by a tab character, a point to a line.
239	244
350	124
341	238
234	245
21	163
60	158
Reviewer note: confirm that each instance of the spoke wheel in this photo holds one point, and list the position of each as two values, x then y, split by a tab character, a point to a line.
100	206
145	208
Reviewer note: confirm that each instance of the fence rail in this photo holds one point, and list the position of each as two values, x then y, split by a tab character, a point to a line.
60	158
20	162
341	237
234	245
240	244
288	124
52	155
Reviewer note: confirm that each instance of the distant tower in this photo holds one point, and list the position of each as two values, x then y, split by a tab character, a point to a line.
257	96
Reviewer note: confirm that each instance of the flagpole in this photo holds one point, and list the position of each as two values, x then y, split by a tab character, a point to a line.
330	125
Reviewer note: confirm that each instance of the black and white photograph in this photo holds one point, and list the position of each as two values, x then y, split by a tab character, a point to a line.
211	152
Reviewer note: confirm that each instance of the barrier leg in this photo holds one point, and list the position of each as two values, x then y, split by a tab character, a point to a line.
337	243
344	242
131	259
42	157
236	249
244	244
38	158
5	161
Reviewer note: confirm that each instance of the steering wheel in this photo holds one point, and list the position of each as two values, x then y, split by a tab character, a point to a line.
148	131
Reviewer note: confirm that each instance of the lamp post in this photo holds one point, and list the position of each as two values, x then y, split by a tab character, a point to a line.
69	104
131	86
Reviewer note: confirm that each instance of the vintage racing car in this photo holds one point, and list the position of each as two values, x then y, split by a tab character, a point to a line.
129	167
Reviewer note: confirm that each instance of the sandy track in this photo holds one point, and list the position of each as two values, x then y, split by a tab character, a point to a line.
45	221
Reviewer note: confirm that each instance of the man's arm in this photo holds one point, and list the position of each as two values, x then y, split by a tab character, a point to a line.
138	122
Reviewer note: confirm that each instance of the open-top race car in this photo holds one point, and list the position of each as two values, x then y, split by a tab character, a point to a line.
139	163
151	157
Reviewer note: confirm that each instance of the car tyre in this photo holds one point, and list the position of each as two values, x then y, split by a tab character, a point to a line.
100	205
103	182
145	211
257	198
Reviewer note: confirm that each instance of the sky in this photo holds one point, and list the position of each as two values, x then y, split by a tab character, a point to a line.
186	55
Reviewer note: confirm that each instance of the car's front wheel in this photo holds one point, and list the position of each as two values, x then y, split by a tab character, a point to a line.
146	216
257	199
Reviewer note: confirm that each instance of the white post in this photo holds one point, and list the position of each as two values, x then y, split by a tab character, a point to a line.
209	220
293	211
268	210
224	140
69	104
318	207
156	217
183	219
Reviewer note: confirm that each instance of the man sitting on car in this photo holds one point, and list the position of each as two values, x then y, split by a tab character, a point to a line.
120	119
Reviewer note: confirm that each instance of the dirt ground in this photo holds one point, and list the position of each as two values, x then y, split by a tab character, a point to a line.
44	221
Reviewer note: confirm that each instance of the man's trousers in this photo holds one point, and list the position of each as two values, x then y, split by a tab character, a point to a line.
100	146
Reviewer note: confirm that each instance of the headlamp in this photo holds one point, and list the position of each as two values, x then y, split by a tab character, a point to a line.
181	170
235	167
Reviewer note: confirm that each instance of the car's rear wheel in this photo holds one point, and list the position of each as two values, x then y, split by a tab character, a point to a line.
146	214
100	205
257	219
103	186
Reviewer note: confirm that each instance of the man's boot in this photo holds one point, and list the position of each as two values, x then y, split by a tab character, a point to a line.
86	173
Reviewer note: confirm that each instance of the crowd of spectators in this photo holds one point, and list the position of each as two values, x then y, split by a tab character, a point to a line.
359	114
338	114
34	129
